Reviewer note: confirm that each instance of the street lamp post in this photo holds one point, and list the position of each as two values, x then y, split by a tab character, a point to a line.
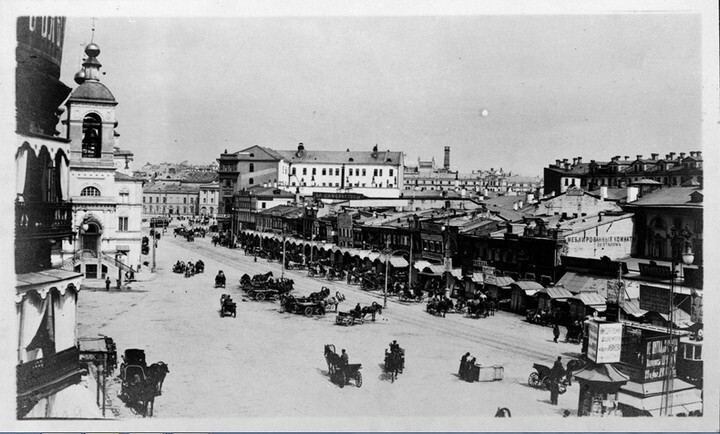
447	257
687	257
282	273
386	252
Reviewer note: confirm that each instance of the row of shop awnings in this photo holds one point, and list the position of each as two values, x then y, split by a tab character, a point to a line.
371	255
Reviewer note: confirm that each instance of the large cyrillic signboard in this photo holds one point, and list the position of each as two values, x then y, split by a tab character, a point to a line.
604	342
44	34
655	299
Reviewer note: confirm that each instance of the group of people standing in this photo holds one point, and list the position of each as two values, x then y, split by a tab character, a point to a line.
467	367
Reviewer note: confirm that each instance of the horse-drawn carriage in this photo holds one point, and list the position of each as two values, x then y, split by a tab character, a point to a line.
317	270
265	293
294	265
340	372
220	280
227	306
415	294
542	378
336	274
575	333
394	361
141	383
477	308
302	305
440	307
349	318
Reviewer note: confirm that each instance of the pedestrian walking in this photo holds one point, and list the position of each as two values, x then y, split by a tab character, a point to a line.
107	283
556	332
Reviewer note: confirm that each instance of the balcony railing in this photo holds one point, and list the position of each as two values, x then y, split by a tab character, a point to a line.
43	219
43	377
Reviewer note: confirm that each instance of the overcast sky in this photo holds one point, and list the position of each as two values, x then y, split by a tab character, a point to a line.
554	86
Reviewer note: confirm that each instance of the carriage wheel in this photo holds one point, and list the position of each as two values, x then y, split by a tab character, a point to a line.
260	296
342	378
534	380
351	321
308	311
358	379
338	320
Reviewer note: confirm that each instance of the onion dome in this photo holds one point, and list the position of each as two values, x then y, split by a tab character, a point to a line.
80	76
92	50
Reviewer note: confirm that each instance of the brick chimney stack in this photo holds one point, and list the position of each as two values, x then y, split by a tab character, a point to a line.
446	163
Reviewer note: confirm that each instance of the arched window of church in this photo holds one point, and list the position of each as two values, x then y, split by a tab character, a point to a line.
90	191
92	137
251	181
251	168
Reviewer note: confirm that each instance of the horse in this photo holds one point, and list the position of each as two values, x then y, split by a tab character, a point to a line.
262	277
335	300
245	280
393	364
439	307
152	387
320	295
372	310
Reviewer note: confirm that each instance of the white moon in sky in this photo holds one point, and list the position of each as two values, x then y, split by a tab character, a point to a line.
484	113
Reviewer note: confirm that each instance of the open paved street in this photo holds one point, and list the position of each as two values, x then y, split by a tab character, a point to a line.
265	363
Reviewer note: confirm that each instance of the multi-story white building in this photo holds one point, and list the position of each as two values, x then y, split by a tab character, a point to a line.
304	172
172	200
207	202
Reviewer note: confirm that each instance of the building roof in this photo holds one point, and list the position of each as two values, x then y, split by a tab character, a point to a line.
579	283
632	307
673	196
92	91
592	299
171	188
195	177
528	285
341	157
289	211
119	176
557	292
270	192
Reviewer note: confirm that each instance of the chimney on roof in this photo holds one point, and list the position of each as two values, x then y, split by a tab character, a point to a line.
557	163
603	192
574	161
615	158
692	154
639	156
579	160
667	156
682	155
632	194
515	206
446	163
301	150
654	156
698	154
627	157
374	151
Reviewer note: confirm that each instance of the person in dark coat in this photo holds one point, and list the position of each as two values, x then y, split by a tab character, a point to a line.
554	392
107	284
463	365
556	332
